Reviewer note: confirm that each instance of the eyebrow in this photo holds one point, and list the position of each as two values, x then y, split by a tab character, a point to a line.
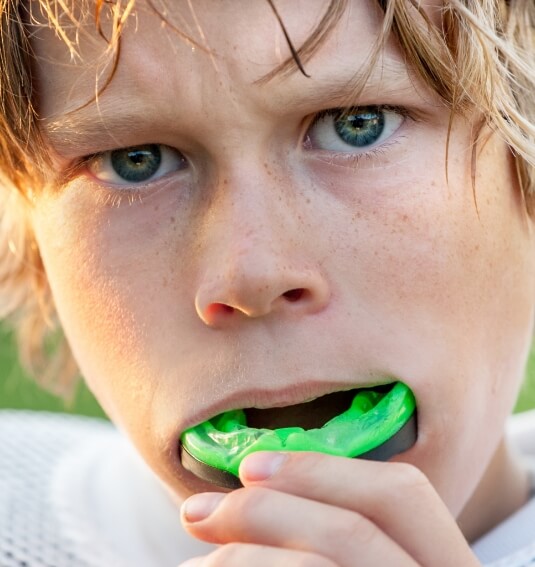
80	128
112	119
347	87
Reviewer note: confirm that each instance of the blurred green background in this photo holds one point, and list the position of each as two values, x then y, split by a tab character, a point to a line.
18	391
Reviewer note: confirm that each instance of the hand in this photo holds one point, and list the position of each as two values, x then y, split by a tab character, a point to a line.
314	510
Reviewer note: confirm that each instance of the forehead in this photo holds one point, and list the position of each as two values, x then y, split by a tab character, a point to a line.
221	25
241	40
205	59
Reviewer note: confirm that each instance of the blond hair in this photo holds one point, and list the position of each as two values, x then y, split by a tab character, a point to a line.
481	57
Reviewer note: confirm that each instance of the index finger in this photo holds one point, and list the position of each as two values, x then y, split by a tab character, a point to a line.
397	497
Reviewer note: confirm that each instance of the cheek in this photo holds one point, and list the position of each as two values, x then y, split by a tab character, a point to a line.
440	280
472	296
113	274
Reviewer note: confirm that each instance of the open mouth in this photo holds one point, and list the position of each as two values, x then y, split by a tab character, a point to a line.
375	423
308	415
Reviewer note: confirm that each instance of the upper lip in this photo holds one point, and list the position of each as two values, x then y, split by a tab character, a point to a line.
263	398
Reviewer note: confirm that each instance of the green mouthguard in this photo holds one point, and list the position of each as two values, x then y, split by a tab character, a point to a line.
372	419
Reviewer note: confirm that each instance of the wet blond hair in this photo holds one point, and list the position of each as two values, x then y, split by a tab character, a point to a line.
480	58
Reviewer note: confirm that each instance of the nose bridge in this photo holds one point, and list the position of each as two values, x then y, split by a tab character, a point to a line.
257	220
255	260
251	232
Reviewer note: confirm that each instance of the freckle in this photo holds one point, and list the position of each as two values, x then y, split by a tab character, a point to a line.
172	219
225	181
165	282
156	208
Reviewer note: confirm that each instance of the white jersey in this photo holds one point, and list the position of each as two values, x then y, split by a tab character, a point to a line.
74	493
512	543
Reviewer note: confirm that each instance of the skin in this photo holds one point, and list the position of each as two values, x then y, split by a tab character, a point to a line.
175	301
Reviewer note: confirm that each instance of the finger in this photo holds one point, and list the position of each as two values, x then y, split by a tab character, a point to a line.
245	555
396	497
272	518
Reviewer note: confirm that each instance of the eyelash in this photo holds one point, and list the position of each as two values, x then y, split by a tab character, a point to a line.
355	159
106	195
136	193
401	110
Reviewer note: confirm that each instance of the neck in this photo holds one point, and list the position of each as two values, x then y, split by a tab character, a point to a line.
503	489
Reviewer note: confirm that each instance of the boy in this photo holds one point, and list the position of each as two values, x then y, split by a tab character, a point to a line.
222	224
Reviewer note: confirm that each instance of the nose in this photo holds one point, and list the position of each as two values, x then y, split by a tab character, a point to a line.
259	262
254	289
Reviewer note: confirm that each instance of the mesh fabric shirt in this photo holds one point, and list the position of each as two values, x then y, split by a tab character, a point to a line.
74	493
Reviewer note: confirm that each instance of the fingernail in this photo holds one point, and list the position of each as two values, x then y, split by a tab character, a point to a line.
200	506
261	465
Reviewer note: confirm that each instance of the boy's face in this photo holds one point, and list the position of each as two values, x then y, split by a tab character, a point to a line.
273	258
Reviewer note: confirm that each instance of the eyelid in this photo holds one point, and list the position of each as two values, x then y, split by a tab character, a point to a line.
168	154
345	111
339	113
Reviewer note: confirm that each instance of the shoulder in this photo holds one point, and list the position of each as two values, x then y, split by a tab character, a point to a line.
512	543
521	431
31	443
74	492
521	434
45	427
32	530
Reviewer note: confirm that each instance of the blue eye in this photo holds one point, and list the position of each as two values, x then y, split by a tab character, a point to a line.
353	129
361	128
136	164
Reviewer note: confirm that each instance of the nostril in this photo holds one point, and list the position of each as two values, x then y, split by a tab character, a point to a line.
215	309
294	294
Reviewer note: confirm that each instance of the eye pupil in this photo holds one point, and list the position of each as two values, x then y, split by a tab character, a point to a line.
362	127
136	164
